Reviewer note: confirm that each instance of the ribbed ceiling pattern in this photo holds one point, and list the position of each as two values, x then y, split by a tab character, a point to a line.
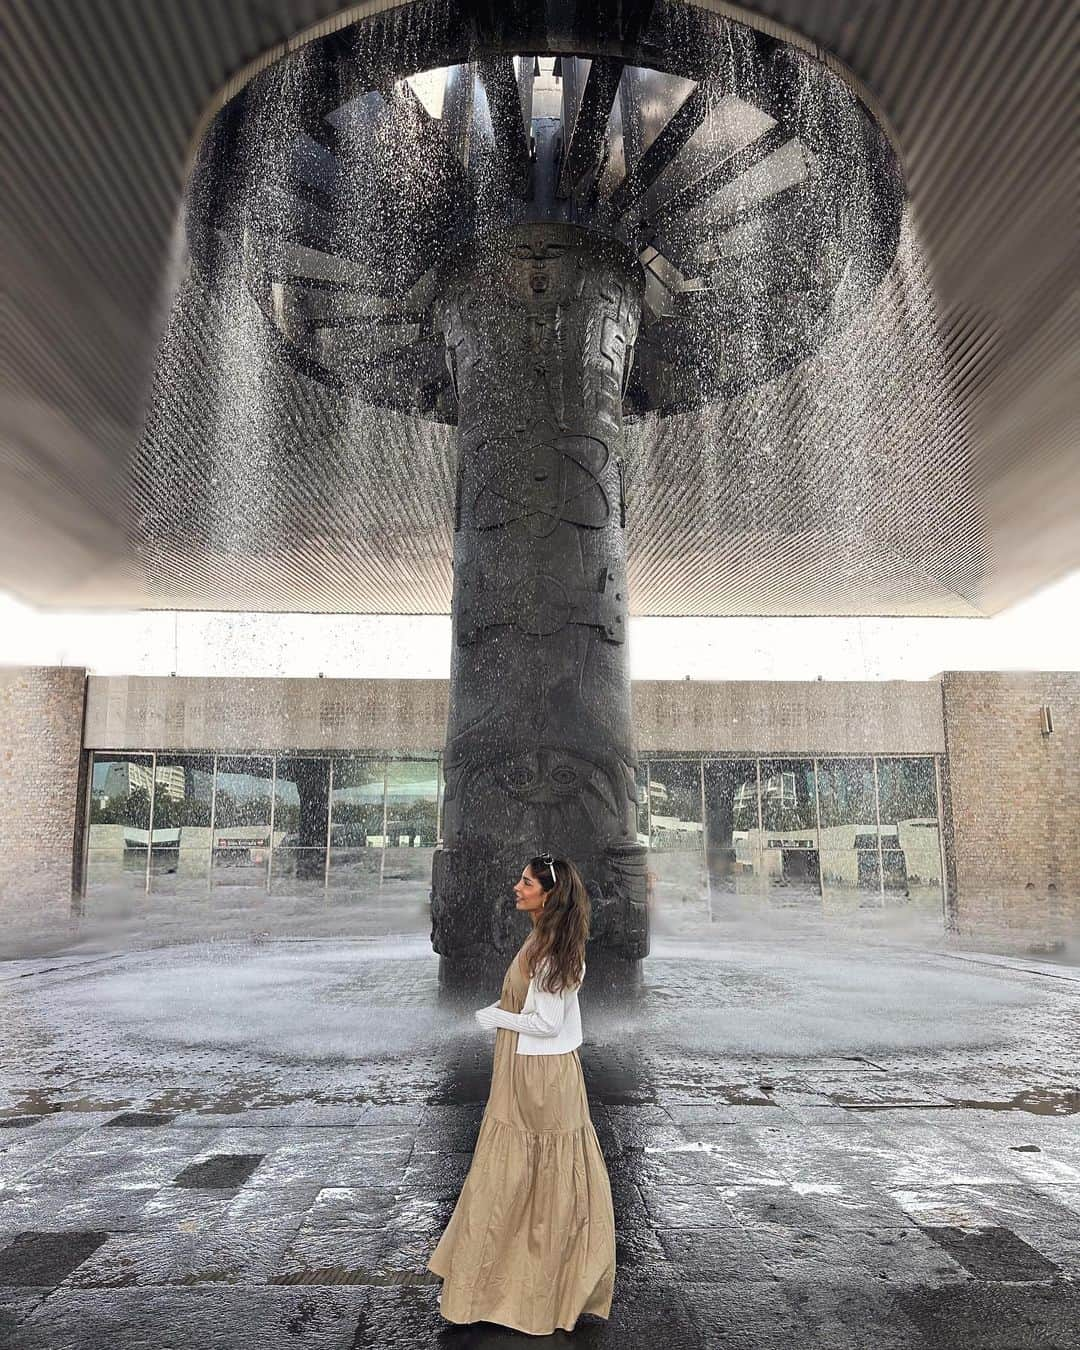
99	102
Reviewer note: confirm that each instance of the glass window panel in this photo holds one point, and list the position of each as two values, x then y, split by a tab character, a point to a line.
641	784
183	793
677	840
241	838
910	838
846	794
119	823
354	866
787	803
412	799
301	807
907	790
732	838
296	870
356	828
301	802
675	799
850	879
412	802
358	800
848	834
791	875
789	856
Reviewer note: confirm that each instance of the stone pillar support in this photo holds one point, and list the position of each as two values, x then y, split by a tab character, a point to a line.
540	324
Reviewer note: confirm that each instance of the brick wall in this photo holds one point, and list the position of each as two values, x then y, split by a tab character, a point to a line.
41	721
1012	805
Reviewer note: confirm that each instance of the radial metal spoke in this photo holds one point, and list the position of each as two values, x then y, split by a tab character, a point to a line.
586	136
664	148
504	102
696	194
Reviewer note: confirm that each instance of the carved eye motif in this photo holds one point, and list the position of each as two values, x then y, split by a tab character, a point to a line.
563	776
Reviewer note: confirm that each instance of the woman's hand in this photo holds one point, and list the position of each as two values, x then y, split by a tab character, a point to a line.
484	1016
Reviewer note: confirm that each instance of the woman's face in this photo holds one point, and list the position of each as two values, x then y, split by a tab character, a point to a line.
530	894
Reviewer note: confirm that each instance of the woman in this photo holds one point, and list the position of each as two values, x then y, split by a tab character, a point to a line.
531	1242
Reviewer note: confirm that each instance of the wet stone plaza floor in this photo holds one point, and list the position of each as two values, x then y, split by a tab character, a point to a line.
256	1142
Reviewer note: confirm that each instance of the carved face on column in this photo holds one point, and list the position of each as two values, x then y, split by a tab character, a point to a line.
568	302
562	764
542	258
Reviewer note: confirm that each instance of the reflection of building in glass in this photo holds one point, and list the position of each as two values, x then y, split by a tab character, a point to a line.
670	831
779	790
676	831
170	780
745	799
124	776
270	821
826	832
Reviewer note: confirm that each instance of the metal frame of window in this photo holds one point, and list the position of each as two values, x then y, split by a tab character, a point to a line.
705	837
941	844
880	851
329	825
816	761
79	899
150	823
213	823
385	822
86	832
760	878
273	813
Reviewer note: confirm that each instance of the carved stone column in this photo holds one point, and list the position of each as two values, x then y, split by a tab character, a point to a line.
540	324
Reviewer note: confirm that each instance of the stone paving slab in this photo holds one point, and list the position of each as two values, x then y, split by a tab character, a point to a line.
67	1208
16	1305
983	1316
852	1315
208	1318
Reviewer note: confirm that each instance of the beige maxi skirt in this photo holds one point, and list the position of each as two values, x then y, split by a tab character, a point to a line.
531	1241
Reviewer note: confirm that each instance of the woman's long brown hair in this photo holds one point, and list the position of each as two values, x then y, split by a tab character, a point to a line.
562	928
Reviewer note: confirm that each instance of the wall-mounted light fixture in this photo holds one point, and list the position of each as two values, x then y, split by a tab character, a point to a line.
1047	720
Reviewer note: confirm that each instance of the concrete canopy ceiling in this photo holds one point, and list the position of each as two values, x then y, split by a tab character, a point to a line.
872	479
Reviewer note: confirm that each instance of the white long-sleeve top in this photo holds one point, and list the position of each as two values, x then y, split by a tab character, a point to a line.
548	1024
